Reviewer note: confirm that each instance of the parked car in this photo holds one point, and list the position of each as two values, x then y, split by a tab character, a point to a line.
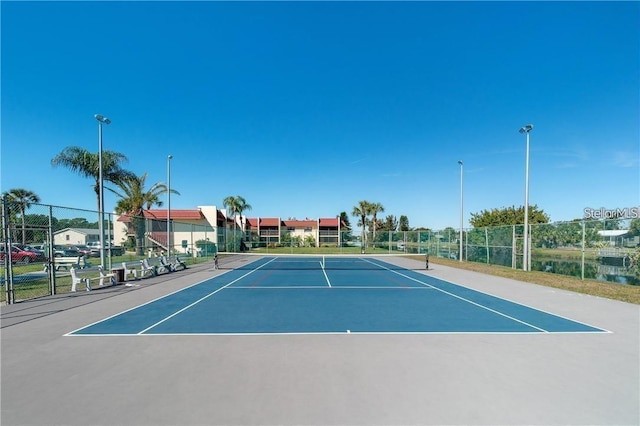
18	255
40	254
84	250
115	250
66	251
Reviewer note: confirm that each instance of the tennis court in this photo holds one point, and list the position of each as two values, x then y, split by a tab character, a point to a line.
325	294
276	340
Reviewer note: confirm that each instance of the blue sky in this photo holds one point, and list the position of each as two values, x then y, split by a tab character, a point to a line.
306	108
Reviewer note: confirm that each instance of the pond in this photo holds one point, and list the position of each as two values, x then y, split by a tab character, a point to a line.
611	269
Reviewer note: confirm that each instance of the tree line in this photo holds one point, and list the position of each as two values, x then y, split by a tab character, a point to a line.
134	197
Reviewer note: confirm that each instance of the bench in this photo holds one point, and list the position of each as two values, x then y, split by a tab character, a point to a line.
129	270
146	269
164	266
77	279
78	262
167	266
177	263
139	269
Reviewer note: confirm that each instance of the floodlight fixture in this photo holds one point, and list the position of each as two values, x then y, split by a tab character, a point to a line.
102	119
526	129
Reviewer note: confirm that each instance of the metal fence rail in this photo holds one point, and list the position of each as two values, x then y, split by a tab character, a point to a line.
578	248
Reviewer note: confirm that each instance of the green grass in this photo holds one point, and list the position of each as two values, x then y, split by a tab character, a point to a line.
625	293
569	254
40	287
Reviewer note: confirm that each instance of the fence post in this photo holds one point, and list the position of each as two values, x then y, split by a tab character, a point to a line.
583	248
466	246
529	232
486	242
8	271
514	248
192	245
52	269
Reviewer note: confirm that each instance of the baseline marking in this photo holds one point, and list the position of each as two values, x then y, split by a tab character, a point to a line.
202	298
461	298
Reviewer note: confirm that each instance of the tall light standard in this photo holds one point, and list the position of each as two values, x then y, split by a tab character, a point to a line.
461	205
101	119
169	205
525	251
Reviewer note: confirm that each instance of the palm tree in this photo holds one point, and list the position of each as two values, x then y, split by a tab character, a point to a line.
135	199
362	210
375	208
236	206
87	164
21	199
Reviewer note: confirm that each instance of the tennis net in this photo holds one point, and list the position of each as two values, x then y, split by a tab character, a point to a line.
250	261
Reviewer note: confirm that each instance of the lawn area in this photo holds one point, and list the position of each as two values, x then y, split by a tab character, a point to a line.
30	280
625	293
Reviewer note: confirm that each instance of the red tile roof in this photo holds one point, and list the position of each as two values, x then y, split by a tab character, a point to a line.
162	214
331	221
175	214
269	221
300	223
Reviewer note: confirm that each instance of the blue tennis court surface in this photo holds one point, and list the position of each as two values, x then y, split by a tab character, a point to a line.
272	295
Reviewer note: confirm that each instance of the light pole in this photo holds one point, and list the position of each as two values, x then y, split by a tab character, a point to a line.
525	251
101	119
169	205
461	205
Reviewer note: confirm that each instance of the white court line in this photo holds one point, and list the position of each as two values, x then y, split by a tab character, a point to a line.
143	304
71	333
203	298
344	333
325	273
317	287
461	298
425	287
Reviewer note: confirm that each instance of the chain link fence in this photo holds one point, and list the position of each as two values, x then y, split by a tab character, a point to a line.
602	250
598	249
36	236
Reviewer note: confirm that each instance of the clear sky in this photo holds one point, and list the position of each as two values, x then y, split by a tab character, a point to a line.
306	108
